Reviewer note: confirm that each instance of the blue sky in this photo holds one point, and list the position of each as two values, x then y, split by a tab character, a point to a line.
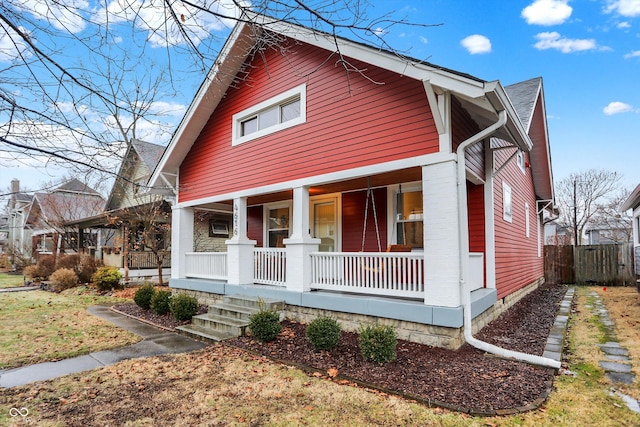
586	51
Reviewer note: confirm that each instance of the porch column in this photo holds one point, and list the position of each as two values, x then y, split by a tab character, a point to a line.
181	239
441	235
240	247
300	244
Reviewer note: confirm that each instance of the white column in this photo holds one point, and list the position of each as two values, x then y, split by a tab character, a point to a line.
181	239
300	244
240	248
441	238
489	221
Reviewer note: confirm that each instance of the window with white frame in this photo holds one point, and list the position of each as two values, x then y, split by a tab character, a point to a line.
280	112
520	159
410	219
507	208
277	225
526	219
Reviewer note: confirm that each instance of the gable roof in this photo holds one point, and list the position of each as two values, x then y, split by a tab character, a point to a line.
149	152
482	99
633	201
70	201
525	97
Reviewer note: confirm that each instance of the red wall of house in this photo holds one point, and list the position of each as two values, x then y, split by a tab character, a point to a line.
464	127
517	260
353	207
255	224
476	217
351	122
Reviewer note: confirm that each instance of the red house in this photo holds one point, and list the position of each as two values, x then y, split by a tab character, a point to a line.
360	184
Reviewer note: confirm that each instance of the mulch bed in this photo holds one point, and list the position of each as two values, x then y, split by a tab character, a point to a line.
166	321
466	380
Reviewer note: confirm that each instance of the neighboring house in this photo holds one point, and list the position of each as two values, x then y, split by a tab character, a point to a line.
557	233
136	223
404	193
50	211
633	203
615	232
18	232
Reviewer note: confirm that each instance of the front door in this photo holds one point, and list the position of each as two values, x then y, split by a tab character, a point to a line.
324	220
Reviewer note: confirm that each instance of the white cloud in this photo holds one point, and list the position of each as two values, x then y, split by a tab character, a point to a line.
424	40
63	15
151	16
379	32
630	8
632	54
476	44
12	46
616	107
623	25
547	12
553	40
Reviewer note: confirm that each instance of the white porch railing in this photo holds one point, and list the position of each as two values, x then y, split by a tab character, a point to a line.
270	266
386	273
206	265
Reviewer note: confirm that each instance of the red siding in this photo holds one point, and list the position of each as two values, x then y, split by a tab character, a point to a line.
475	202
353	207
255	224
464	127
351	122
517	260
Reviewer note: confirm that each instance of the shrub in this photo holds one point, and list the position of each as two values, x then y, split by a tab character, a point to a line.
107	278
183	306
31	271
143	296
160	302
323	333
70	261
87	266
46	266
265	325
378	343
63	278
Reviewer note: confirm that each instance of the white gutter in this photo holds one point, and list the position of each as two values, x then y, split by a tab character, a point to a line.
465	293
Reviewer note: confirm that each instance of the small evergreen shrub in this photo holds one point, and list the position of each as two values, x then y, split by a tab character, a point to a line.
107	278
377	343
265	325
160	302
183	306
323	333
62	279
143	296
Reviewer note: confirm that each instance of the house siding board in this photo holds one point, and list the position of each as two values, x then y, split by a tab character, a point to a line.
464	127
351	122
255	224
517	260
475	202
353	207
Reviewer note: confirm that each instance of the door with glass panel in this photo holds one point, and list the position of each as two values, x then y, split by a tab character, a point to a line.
324	226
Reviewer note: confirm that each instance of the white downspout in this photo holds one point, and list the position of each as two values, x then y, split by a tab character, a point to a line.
465	294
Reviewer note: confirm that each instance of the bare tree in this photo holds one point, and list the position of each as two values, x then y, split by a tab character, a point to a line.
72	93
616	225
583	196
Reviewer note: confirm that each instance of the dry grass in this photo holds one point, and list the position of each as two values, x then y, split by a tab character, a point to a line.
40	326
223	386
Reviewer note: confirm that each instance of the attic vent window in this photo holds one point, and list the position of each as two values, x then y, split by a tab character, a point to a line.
280	112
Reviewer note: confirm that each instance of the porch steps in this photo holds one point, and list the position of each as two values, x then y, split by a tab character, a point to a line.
229	318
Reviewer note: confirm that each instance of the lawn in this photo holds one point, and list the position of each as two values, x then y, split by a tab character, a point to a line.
39	326
11	280
225	386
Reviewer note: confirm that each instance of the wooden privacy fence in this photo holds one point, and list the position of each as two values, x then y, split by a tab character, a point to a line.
608	265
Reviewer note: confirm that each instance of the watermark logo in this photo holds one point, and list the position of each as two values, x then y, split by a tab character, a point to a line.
15	412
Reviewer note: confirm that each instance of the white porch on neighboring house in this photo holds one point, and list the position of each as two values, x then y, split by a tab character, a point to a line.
419	286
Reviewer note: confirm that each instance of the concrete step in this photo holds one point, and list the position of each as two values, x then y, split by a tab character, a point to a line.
219	323
254	302
232	310
204	334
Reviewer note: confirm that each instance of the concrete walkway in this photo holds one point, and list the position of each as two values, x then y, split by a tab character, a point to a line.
155	342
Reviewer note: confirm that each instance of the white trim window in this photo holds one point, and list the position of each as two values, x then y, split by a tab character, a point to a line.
277	224
521	161
280	112
507	205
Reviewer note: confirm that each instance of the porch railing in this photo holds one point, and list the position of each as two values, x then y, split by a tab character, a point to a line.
206	265
147	260
386	273
270	266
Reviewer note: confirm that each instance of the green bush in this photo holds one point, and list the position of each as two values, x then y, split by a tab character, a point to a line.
183	306
378	343
323	333
107	278
62	279
143	296
265	325
160	302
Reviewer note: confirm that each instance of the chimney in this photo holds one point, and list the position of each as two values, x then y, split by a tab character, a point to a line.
15	189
